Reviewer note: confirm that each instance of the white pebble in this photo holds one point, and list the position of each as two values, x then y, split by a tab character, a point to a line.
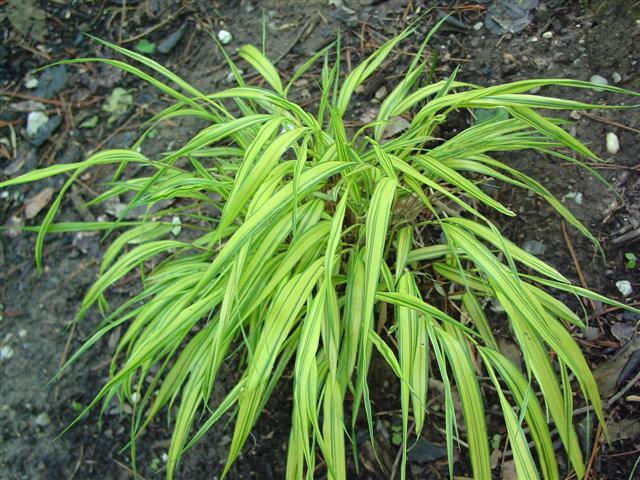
224	37
135	397
613	144
31	83
177	226
617	78
43	419
547	35
575	196
6	352
496	306
35	120
231	78
477	26
600	80
624	287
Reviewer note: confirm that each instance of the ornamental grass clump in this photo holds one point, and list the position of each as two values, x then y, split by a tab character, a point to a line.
303	250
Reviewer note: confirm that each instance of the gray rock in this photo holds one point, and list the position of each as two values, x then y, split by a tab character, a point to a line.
424	451
623	331
599	80
507	16
617	78
42	420
590	334
51	81
534	247
45	131
166	45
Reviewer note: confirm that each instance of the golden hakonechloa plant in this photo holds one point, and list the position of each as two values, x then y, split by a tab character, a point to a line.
313	241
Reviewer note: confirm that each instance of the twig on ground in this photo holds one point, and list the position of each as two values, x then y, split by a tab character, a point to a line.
117	130
596	445
147	31
76	467
396	461
623	390
63	358
609	122
51	101
576	262
122	465
305	30
628	237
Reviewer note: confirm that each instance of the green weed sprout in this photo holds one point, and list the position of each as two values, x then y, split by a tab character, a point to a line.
315	244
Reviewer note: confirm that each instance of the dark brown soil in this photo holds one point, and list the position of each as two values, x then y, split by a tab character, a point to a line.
565	39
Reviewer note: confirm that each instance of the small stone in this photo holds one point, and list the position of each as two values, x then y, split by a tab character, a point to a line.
36	203
164	457
31	83
224	36
599	80
617	78
495	457
166	45
424	451
613	144
42	420
509	58
51	81
22	333
575	196
381	93
575	115
35	120
478	26
534	247
624	287
177	226
395	126
590	334
623	331
509	471
547	35
230	78
533	39
496	307
135	397
6	352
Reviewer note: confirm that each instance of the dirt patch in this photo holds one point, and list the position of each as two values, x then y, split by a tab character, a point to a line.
564	39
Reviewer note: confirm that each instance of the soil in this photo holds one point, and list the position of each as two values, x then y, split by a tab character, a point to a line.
564	39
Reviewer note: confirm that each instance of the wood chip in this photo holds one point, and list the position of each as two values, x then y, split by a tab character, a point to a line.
35	204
